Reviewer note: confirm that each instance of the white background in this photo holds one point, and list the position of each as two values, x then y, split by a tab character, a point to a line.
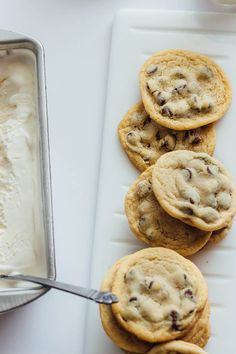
76	36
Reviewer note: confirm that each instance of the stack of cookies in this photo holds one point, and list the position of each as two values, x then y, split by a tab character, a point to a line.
183	199
183	94
162	297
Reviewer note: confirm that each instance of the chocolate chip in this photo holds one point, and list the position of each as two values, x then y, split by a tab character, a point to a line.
189	294
191	311
207	108
191	201
151	69
168	142
175	326
209	170
185	277
146	159
180	88
132	138
187	211
196	140
148	145
189	173
143	189
158	135
147	121
174	315
186	134
160	99
166	111
151	284
133	298
149	236
164	144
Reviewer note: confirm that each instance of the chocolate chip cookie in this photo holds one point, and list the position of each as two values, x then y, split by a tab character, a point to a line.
151	224
183	90
118	335
176	347
198	334
145	141
160	294
195	188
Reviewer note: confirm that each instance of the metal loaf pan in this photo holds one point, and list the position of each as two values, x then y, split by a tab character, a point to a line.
16	297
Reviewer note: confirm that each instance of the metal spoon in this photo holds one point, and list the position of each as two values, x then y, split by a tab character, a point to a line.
100	297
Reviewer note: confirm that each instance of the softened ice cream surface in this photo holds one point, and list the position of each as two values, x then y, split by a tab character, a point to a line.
21	218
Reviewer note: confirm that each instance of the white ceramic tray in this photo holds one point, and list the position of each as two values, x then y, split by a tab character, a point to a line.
136	35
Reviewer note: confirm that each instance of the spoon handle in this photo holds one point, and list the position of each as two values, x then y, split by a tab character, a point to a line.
100	297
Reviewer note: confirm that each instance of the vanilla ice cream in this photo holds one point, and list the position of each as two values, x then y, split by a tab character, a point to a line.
21	220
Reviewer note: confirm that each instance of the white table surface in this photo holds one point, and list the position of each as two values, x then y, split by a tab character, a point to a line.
76	36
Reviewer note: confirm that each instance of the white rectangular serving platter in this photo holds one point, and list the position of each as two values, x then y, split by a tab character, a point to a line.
137	34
